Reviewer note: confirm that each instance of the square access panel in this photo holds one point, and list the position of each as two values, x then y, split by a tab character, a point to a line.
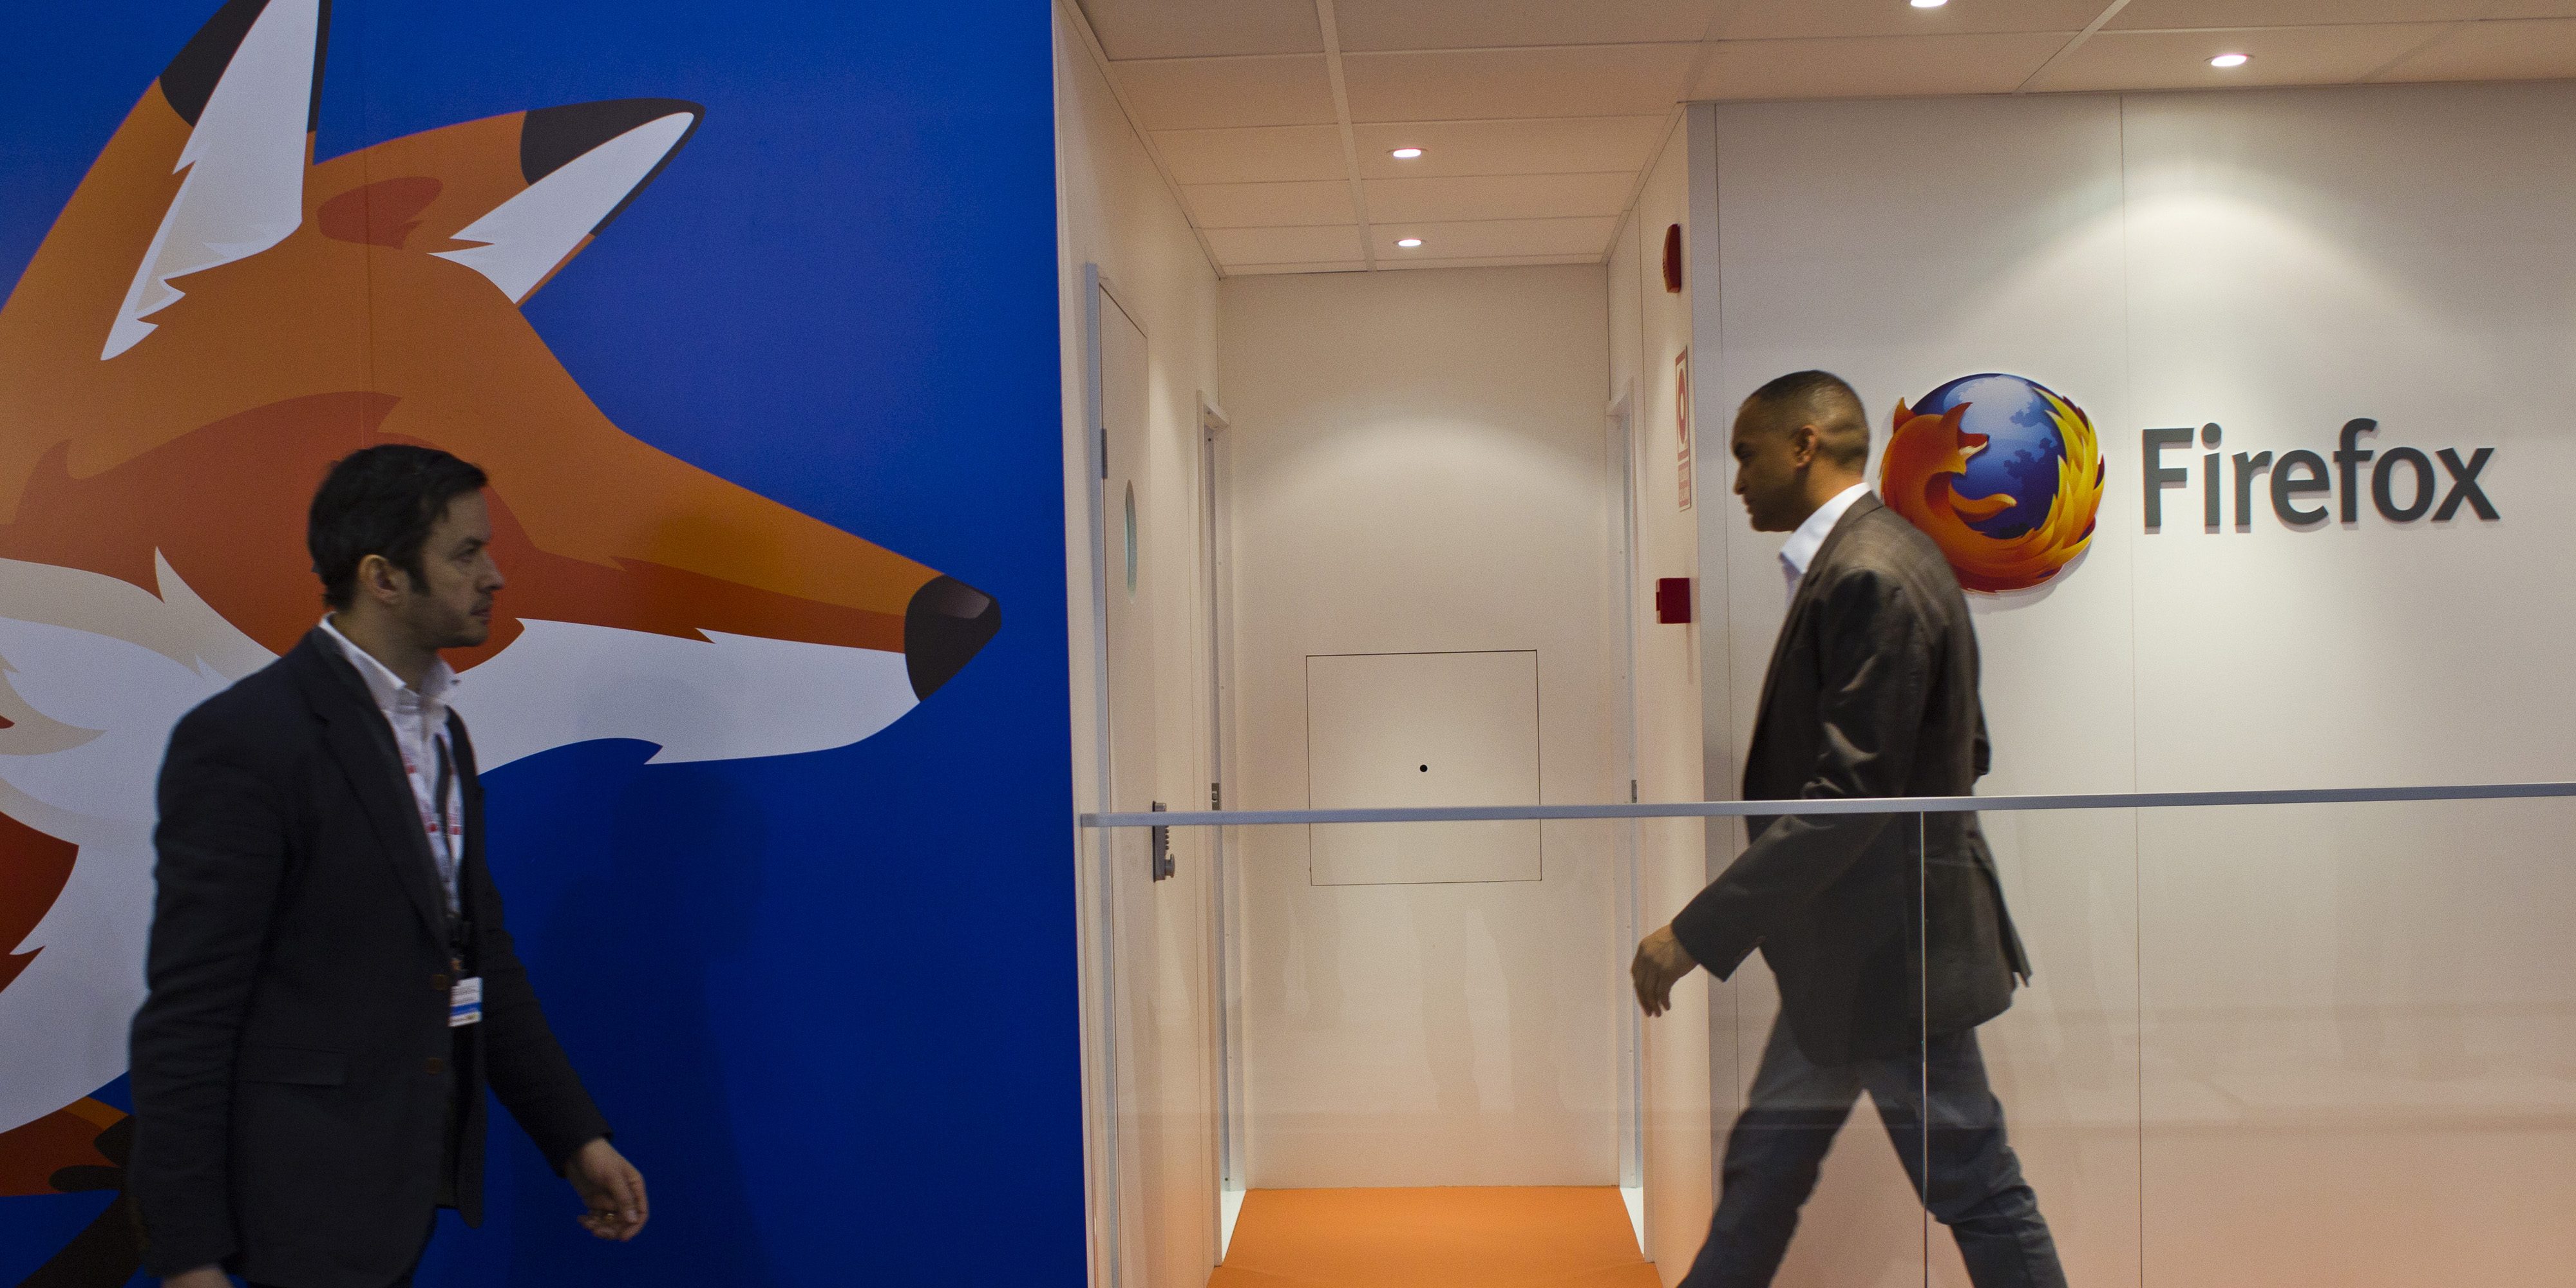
1414	729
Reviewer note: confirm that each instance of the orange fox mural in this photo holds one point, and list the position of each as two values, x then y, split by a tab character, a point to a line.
213	318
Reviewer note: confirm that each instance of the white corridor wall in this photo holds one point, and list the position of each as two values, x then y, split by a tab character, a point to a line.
1418	468
1152	1097
2330	1046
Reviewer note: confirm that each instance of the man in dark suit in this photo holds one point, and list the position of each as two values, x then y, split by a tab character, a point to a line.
331	983
1887	933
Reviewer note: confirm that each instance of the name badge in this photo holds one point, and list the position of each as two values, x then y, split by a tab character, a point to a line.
465	1003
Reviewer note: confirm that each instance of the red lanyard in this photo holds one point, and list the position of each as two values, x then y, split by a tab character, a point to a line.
439	816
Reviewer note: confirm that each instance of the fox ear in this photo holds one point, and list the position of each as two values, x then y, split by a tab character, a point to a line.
512	197
246	88
583	164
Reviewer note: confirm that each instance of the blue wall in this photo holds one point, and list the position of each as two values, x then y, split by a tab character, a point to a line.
828	1000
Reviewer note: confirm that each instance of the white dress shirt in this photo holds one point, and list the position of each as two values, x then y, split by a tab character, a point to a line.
1800	550
419	720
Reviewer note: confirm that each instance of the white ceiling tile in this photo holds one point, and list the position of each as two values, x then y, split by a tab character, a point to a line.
1490	261
1480	24
2281	56
1204	28
1284	245
1876	66
1488	237
2144	15
1266	152
1216	93
1268	270
1499	196
1269	205
1544	146
2543	49
1485	84
1805	18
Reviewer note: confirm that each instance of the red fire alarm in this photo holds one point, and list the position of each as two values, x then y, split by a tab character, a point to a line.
1673	600
1673	260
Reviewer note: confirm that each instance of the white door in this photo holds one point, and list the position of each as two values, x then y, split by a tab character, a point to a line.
1162	1055
1621	462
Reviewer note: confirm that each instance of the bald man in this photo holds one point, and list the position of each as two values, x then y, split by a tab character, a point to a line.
1872	692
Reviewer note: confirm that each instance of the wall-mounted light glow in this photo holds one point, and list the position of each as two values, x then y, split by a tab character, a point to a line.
2229	60
1405	154
1408	243
1929	4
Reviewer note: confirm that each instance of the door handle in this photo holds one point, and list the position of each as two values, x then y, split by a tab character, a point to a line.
1163	865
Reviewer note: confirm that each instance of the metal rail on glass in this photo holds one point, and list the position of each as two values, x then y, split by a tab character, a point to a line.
1869	805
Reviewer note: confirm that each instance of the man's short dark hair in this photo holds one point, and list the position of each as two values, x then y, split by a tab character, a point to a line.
381	500
1824	400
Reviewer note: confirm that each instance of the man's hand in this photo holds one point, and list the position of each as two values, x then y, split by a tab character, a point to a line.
1661	963
611	1187
201	1277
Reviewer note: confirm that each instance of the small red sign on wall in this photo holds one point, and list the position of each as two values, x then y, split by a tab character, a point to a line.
1673	600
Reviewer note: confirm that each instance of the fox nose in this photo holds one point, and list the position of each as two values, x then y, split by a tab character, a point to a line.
946	625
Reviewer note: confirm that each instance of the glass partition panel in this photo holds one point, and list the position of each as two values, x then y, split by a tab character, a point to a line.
2062	1060
1157	929
2162	1045
2357	1028
1407	1049
1831	1131
1417	1052
1434	1005
2269	1044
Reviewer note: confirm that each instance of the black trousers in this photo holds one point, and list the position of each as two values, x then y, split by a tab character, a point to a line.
1971	1182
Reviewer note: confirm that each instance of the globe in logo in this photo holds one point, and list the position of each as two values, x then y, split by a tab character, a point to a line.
2001	472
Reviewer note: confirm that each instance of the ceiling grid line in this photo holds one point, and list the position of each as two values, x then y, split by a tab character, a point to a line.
1540	122
2275	26
2419	47
1550	48
1637	186
1710	36
1081	23
2099	21
1517	219
1324	18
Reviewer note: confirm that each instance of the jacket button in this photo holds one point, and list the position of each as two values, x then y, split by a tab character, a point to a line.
438	982
437	1065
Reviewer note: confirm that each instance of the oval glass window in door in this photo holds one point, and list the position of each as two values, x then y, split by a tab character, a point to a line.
1131	538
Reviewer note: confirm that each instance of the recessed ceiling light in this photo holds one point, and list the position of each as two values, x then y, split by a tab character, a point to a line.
1408	243
2229	60
1405	154
1929	4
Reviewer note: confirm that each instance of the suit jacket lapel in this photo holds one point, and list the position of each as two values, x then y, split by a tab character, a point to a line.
364	746
1861	505
1794	624
469	856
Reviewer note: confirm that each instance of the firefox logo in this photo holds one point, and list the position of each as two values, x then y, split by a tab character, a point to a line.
2003	473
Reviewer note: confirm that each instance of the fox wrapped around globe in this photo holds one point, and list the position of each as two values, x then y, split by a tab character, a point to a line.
2004	474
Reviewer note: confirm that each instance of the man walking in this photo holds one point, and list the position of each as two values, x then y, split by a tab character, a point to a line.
331	983
1872	692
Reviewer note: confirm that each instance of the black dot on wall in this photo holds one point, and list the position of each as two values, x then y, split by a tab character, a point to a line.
1426	769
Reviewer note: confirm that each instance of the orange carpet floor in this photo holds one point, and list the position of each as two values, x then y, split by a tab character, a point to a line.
1502	1237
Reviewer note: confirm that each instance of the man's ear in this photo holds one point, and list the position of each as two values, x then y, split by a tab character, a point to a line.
380	580
1804	443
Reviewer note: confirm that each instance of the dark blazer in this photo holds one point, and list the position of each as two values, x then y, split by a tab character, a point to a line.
1872	691
292	1065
